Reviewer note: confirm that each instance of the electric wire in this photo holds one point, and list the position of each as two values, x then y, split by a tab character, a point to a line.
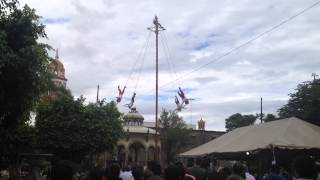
143	49
141	65
167	57
170	57
244	44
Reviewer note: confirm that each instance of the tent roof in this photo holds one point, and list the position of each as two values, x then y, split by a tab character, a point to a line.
291	133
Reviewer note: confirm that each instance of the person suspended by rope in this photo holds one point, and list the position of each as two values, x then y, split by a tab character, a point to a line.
185	100
179	106
130	105
121	92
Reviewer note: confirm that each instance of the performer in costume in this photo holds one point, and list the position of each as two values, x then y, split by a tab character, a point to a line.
121	92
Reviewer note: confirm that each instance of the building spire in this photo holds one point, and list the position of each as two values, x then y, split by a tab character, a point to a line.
57	54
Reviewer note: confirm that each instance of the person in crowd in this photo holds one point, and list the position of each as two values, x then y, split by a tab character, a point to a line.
305	168
147	171
248	176
126	173
185	176
34	173
196	171
234	177
137	172
4	173
212	174
96	174
105	174
205	165
285	174
274	173
223	173
62	172
114	172
156	170
317	167
173	172
239	169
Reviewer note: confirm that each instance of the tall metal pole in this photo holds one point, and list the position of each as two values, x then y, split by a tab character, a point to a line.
97	94
261	110
156	29
157	34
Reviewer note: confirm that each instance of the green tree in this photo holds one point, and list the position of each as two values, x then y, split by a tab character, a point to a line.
269	117
16	141
174	134
23	76
23	63
72	130
304	103
7	5
238	120
105	125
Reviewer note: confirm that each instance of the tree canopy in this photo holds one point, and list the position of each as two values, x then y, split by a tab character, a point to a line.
269	117
238	120
174	134
23	62
71	129
304	103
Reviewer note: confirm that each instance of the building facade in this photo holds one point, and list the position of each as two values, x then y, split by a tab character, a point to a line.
139	142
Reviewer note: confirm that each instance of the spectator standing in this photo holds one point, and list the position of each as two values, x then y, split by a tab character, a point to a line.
147	173
156	171
305	168
182	171
126	174
239	169
274	173
196	171
137	172
114	172
62	172
223	173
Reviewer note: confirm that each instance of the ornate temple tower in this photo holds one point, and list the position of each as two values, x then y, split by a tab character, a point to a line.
57	68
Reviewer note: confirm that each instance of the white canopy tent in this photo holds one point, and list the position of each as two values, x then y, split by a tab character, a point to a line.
290	133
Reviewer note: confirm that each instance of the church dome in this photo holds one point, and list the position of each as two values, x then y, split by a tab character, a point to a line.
55	64
57	68
133	118
133	115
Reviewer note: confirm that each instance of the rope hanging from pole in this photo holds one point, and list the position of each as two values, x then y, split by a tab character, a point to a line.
131	104
133	72
184	100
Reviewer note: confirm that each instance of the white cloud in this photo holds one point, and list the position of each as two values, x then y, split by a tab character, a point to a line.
100	40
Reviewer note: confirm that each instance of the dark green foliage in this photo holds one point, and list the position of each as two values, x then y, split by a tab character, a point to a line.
304	103
71	130
6	6
16	141
23	63
103	121
174	134
238	120
269	117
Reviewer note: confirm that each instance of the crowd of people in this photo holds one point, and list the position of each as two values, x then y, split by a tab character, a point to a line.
304	169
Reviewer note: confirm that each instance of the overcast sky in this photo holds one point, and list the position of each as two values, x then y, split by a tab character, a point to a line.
100	41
